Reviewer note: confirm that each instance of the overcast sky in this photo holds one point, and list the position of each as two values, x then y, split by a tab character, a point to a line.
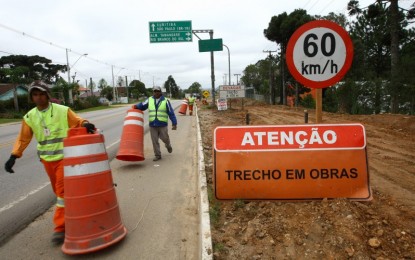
117	33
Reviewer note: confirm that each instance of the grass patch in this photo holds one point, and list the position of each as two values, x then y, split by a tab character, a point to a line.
218	247
238	204
214	208
9	120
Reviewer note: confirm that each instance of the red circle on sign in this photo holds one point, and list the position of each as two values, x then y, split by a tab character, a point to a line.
290	53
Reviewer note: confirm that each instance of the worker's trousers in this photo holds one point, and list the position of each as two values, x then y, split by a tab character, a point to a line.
55	173
190	109
162	133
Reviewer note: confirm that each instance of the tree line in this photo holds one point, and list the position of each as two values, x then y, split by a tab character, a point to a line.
381	78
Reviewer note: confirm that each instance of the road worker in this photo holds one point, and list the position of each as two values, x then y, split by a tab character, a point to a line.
191	101
49	123
159	111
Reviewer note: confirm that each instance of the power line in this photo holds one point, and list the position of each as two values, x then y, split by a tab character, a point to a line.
309	9
327	5
7	52
305	6
56	45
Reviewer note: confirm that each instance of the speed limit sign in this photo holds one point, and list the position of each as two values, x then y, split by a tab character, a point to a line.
319	54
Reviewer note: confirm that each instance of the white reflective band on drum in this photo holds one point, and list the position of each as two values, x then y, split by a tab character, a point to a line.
86	168
133	122
140	115
85	149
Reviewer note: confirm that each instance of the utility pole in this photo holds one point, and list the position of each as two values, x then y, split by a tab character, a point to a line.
284	94
212	71
237	81
271	74
113	83
69	79
92	87
126	88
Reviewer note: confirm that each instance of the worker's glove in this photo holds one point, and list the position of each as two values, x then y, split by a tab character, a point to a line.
133	107
90	128
9	164
174	127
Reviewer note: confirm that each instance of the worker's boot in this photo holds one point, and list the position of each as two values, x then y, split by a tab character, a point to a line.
58	238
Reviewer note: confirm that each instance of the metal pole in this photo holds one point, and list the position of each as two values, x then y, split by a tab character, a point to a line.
212	71
126	88
69	79
92	87
271	89
113	84
284	94
229	63
237	78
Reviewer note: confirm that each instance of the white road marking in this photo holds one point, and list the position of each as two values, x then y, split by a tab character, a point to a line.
12	204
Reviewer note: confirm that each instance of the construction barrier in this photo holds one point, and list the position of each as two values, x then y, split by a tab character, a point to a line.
183	107
92	216
132	138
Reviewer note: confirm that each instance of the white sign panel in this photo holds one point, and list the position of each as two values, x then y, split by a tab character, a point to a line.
222	104
232	91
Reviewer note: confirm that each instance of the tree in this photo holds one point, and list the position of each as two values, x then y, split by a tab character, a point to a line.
407	73
396	21
107	92
195	88
171	87
372	54
137	88
26	69
280	30
102	83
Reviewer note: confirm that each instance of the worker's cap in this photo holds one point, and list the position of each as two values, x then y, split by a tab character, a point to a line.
157	89
39	85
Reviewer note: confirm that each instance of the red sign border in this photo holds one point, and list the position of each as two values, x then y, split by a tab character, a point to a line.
288	149
290	53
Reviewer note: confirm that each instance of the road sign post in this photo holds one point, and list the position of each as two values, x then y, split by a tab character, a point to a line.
170	31
319	54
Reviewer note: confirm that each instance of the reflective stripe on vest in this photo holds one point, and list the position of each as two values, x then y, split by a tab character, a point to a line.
52	141
49	153
60	202
160	113
50	148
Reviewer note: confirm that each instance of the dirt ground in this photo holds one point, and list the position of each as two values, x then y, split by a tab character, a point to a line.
383	228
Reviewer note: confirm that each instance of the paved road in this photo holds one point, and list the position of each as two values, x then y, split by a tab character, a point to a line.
158	203
26	194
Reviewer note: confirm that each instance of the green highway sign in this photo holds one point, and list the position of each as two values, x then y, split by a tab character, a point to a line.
210	45
170	31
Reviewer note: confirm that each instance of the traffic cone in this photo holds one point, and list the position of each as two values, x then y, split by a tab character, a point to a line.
92	216
183	107
132	139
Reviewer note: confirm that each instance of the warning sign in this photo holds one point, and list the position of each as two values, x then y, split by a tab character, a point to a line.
296	162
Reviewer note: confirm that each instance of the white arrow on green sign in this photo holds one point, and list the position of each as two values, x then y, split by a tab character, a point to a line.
170	31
